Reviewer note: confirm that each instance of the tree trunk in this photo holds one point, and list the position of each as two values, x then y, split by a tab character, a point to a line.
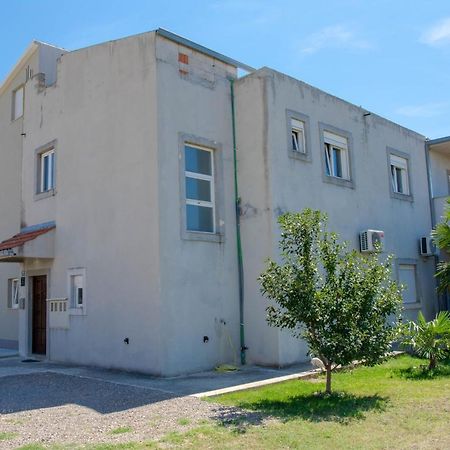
432	364
328	369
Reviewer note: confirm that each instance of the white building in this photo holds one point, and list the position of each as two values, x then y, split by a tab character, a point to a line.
124	206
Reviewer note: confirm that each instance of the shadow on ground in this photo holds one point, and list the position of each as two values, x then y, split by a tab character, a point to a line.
46	390
338	407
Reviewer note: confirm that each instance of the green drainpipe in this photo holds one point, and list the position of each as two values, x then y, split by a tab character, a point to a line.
238	230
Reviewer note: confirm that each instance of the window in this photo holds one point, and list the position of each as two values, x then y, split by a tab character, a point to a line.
336	156
76	291
13	293
407	277
46	171
399	174
199	185
298	136
17	108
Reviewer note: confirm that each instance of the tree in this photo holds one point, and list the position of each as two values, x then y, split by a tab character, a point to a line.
441	237
337	300
429	339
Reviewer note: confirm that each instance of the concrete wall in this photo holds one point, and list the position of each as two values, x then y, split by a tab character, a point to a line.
199	287
10	198
102	113
291	185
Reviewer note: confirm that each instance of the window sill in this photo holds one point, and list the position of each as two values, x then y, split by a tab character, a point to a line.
300	156
338	181
404	197
77	312
200	236
46	194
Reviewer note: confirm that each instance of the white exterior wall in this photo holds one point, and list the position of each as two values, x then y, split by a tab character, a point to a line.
295	184
102	112
10	185
199	286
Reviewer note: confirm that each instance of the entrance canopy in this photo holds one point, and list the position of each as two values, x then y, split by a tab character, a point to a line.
34	242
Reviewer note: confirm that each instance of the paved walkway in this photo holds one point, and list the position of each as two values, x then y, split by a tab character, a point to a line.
198	384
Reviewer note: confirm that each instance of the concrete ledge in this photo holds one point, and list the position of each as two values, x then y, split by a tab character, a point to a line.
313	373
295	376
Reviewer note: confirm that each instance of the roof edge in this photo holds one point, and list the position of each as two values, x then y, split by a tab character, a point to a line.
18	66
200	48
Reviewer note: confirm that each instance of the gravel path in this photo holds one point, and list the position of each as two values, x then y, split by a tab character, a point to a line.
50	408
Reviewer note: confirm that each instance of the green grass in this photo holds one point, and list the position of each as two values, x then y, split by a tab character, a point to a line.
7	436
396	405
121	430
183	421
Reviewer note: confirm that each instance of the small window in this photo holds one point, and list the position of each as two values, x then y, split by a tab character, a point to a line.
298	136
13	293
17	107
77	291
407	277
399	174
46	169
336	156
199	184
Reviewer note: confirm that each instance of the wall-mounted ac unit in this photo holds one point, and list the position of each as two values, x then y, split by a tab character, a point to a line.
425	246
371	241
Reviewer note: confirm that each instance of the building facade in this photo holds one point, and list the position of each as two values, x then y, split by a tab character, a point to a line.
122	248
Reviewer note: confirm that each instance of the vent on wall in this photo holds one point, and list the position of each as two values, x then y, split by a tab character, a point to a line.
371	241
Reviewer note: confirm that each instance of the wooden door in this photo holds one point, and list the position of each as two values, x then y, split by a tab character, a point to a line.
39	334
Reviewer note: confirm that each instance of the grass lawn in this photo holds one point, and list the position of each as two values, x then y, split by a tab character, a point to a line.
389	406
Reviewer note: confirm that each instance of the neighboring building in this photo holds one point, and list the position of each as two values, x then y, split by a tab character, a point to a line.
125	210
439	174
38	58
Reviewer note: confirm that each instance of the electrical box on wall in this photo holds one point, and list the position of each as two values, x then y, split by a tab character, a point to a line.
371	241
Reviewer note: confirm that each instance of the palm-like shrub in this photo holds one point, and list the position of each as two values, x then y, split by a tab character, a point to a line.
441	237
429	339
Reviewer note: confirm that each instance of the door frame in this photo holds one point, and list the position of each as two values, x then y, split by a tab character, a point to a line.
30	274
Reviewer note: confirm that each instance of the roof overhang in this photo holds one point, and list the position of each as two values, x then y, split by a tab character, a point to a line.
441	145
36	242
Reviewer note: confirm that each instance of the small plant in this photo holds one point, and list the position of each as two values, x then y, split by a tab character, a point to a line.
428	339
121	430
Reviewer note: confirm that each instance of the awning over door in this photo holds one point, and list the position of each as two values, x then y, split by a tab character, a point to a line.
34	242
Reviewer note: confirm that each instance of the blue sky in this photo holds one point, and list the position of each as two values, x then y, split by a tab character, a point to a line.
391	57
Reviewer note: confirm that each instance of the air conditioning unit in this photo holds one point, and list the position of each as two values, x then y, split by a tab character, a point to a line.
371	241
425	246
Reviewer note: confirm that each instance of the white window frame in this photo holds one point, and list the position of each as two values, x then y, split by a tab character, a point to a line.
13	293
74	307
42	166
298	130
334	143
399	165
18	113
199	176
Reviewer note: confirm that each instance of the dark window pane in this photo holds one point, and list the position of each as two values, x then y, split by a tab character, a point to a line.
198	189
199	218
197	160
399	180
337	162
327	160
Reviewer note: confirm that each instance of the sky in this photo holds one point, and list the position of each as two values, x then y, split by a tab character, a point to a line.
392	57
